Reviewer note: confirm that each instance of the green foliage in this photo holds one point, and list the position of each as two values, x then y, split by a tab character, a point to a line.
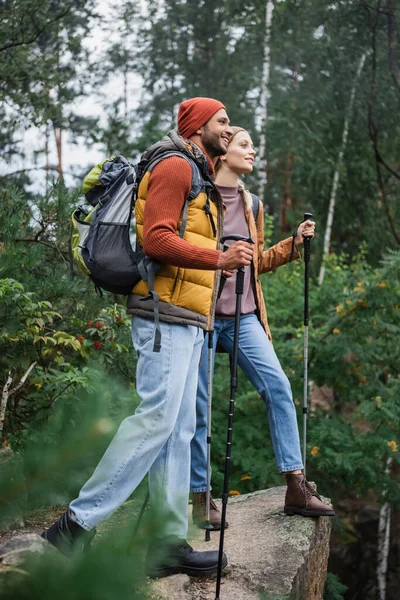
114	567
201	49
207	49
65	404
354	323
74	347
334	589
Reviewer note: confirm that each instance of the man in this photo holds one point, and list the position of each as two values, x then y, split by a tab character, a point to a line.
156	439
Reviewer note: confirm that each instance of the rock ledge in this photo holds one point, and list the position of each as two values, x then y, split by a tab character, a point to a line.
284	557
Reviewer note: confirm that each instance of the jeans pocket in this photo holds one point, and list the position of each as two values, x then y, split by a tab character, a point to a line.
142	331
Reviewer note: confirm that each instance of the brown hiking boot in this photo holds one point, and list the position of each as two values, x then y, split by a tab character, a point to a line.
199	514
302	499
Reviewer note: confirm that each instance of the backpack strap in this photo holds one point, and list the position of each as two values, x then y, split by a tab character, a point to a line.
148	267
198	184
255	206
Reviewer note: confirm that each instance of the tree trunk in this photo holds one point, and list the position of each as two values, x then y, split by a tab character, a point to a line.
47	156
7	393
264	98
4	399
336	176
383	541
58	137
392	43
287	200
126	94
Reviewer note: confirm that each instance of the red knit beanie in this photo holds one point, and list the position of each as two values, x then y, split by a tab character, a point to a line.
194	113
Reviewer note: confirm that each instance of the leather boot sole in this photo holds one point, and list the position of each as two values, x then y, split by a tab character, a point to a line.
295	510
210	526
190	571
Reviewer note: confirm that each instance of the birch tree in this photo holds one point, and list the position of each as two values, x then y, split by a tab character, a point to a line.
336	176
265	94
384	540
7	392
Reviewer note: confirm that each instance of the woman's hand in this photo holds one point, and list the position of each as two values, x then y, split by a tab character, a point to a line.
227	274
305	229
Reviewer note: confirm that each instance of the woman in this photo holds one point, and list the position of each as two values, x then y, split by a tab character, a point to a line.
256	356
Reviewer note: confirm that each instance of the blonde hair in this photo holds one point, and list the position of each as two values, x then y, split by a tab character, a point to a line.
218	163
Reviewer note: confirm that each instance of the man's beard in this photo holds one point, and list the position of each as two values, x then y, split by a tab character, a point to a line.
212	143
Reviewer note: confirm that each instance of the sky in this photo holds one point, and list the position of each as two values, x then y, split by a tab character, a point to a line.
75	155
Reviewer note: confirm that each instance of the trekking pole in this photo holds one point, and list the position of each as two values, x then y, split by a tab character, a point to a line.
139	520
239	294
209	403
307	253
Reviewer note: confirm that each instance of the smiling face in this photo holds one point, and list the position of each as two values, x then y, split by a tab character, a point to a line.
216	134
239	158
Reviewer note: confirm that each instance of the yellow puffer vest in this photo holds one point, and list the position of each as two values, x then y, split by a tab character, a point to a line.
186	295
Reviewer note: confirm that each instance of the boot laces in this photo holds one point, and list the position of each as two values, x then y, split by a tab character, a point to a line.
203	501
308	489
212	504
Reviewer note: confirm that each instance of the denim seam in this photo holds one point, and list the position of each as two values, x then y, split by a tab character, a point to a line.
265	384
216	334
295	467
168	442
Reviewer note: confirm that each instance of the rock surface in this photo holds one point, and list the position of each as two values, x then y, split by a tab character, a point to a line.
13	552
283	557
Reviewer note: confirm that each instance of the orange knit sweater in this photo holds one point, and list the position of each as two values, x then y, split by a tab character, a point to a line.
169	186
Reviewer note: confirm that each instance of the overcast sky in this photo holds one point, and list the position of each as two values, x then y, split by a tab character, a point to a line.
80	154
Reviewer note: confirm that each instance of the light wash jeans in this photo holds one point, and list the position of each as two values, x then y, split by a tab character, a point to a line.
156	439
258	361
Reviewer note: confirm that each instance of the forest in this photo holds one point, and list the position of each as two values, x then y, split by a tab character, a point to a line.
317	84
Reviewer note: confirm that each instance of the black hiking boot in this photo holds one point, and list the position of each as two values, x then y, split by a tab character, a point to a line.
176	556
67	536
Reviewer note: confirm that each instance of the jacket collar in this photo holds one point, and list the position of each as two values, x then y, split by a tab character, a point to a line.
185	146
172	142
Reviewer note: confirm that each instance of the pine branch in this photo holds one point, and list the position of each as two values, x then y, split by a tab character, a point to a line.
36	240
38	33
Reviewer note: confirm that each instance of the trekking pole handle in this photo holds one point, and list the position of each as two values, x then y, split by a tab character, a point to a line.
235	237
307	240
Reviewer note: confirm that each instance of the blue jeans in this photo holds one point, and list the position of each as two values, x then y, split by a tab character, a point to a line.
258	361
156	439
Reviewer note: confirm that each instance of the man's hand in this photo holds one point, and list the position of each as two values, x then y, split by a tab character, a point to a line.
239	254
306	229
